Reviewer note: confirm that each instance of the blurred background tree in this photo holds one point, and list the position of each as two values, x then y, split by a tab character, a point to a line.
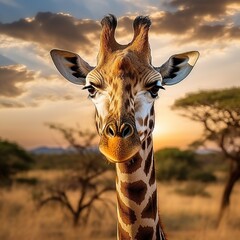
219	113
13	159
176	164
88	175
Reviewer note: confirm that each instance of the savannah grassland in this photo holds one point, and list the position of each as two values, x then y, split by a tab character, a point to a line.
184	217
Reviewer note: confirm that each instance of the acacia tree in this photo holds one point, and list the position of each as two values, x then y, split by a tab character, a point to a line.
13	159
86	177
219	112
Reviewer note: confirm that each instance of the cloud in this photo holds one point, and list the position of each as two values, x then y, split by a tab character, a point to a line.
5	61
182	17
10	103
21	88
201	7
206	32
11	3
46	90
13	78
234	32
184	21
199	20
54	30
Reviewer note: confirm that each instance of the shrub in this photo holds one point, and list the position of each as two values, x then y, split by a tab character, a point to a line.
27	181
13	159
175	164
202	176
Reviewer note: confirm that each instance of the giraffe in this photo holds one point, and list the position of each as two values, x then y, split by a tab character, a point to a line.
123	88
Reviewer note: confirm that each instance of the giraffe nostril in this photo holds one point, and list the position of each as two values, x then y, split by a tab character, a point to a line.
126	130
110	130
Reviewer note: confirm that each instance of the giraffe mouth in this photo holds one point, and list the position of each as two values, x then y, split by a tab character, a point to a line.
119	150
129	161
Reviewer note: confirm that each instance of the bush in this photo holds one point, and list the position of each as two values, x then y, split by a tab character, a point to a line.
13	159
202	176
169	169
175	164
28	181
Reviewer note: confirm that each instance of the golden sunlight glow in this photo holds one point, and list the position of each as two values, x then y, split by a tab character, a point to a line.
10	42
64	14
50	98
28	19
157	14
210	19
233	8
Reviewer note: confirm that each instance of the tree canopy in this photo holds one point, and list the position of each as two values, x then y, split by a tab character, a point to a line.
219	112
13	159
176	164
219	99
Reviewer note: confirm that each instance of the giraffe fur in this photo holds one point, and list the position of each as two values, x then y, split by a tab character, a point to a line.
123	87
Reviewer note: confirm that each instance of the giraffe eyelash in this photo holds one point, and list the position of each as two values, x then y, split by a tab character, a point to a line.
91	90
153	89
154	84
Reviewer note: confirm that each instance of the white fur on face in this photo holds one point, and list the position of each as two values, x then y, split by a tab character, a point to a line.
101	102
141	106
143	103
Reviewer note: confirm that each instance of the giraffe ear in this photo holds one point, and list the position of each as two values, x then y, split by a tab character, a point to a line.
177	67
71	66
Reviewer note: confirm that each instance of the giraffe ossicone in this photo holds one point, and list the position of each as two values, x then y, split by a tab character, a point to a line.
123	87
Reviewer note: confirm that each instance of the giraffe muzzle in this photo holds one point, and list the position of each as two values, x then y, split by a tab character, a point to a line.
126	130
119	143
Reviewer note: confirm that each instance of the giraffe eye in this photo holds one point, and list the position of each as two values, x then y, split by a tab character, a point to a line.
91	90
154	90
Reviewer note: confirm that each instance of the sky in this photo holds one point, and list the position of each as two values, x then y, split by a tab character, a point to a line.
32	92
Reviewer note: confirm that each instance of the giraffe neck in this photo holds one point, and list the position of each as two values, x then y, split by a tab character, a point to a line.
137	197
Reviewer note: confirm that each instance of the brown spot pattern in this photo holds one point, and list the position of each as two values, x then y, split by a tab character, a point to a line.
127	104
158	233
149	140
127	215
122	234
130	167
151	124
152	177
144	233
152	111
148	162
129	74
135	191
146	132
150	211
146	121
128	88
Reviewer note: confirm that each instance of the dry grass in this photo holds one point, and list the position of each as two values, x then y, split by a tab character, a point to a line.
195	217
184	217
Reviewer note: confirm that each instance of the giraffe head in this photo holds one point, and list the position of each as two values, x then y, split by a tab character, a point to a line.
123	86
